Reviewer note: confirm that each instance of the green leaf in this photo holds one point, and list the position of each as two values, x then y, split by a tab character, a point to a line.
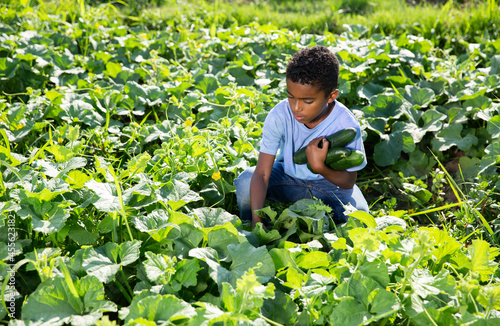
482	257
376	270
158	268
385	107
113	69
177	194
160	309
105	261
364	239
369	90
383	303
81	236
190	238
187	272
389	150
158	225
79	111
489	297
495	65
143	94
494	127
217	272
365	217
105	199
220	237
349	313
451	136
210	217
419	97
245	256
313	259
425	284
265	236
282	309
53	303
47	217
283	258
208	84
248	295
388	221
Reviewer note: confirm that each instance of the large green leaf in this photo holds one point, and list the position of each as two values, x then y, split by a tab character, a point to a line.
162	309
158	268
76	110
177	194
144	95
389	150
210	217
349	313
105	199
425	284
419	97
281	309
53	303
47	217
385	107
105	261
482	258
158	225
220	237
246	256
450	136
217	272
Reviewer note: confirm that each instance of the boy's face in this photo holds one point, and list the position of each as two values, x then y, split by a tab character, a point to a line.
309	104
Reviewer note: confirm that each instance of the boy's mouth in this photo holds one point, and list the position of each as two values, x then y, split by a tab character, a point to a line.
298	117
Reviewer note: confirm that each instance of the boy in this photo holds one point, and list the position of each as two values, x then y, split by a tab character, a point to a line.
310	113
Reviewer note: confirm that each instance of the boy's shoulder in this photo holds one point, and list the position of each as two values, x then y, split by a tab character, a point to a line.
280	109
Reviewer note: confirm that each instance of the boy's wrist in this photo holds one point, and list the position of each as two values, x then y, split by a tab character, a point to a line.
320	168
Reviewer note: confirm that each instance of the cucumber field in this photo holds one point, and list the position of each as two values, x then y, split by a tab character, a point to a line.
122	130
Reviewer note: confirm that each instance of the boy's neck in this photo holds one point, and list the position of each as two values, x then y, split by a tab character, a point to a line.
327	113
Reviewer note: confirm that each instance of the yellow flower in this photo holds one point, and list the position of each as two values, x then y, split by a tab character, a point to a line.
411	211
60	140
188	123
216	176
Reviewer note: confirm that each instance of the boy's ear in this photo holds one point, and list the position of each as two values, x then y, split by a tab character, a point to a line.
333	96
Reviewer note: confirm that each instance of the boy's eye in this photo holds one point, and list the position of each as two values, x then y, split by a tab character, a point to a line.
308	102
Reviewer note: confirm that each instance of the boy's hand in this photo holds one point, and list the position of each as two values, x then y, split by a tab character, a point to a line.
316	156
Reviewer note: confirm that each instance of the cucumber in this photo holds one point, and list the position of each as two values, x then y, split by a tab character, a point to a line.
310	168
334	154
340	138
354	159
337	139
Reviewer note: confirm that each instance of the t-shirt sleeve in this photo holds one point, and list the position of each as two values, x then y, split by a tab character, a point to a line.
272	133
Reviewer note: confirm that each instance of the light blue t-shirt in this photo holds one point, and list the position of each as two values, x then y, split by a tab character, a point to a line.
283	135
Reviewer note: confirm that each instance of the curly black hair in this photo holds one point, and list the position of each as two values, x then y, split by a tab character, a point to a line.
315	66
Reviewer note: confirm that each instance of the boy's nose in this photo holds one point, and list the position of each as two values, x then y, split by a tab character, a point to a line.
296	107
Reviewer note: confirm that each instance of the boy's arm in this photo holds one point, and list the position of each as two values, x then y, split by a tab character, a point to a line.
259	183
316	157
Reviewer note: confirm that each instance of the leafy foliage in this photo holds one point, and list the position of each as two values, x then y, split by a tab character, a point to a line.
119	146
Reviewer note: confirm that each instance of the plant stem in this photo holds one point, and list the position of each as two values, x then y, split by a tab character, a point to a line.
123	291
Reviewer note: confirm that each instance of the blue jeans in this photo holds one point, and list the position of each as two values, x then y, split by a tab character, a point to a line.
287	189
